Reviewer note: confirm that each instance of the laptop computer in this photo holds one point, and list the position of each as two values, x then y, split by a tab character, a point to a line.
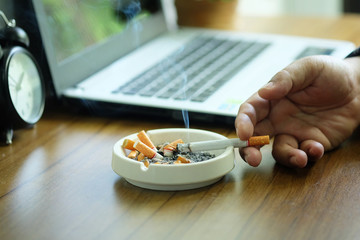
130	56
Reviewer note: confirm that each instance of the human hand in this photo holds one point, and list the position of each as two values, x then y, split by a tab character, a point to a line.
309	107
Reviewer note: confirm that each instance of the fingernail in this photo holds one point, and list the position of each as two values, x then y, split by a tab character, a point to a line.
268	85
293	161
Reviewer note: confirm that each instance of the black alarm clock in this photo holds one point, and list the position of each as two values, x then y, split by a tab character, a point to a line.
22	90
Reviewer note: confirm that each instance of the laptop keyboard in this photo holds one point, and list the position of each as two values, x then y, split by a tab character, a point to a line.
315	51
195	71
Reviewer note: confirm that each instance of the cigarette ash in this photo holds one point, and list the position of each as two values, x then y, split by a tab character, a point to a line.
193	157
177	157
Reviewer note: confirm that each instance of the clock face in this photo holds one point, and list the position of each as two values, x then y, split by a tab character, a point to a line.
25	86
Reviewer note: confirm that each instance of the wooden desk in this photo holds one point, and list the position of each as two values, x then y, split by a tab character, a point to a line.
56	180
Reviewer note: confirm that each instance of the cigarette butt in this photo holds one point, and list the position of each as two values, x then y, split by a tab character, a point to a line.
174	144
178	162
142	136
146	163
183	159
133	154
258	140
171	147
128	144
147	151
168	152
140	157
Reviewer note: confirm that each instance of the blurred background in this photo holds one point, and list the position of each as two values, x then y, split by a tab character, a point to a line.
268	7
292	7
257	8
298	7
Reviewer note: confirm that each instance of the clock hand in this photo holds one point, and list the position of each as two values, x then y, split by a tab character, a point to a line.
13	82
18	84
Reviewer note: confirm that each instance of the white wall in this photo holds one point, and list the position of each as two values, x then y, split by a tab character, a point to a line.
293	7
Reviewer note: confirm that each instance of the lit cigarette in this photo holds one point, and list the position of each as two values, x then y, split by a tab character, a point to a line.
147	151
221	144
142	136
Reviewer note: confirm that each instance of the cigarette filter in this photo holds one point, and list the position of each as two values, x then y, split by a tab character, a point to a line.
133	154
128	144
140	157
177	161
183	159
221	144
147	151
142	136
146	163
258	141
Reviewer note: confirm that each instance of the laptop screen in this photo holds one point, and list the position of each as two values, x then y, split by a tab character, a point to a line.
82	36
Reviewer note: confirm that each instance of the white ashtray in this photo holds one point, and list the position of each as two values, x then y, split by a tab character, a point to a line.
174	176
